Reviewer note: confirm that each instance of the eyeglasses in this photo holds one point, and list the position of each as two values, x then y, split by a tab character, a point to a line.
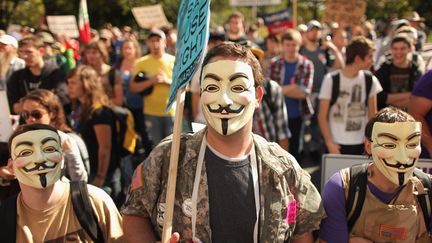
35	114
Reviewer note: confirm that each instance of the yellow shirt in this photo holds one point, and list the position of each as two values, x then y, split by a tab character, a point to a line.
156	102
59	223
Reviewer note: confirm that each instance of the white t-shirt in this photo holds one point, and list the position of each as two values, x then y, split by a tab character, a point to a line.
348	115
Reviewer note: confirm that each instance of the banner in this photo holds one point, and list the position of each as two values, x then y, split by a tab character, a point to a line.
150	16
238	3
332	163
84	22
278	22
63	24
193	33
5	119
344	12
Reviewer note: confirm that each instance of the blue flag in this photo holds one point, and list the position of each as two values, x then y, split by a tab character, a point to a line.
193	29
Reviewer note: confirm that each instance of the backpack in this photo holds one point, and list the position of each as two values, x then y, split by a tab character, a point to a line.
357	193
81	205
336	83
125	130
82	149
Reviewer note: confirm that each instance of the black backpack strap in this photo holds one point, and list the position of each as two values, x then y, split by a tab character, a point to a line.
335	88
112	77
425	199
8	212
356	193
268	97
368	82
84	211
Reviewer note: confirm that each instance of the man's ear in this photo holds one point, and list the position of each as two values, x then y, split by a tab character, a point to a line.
368	146
259	93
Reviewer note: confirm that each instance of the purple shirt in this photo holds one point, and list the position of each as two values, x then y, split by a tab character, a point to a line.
334	228
423	88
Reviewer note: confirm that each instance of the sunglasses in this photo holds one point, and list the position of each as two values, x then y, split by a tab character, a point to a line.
35	114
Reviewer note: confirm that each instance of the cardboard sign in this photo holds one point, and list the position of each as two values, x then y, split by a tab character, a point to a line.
237	3
278	22
193	31
5	119
150	16
344	12
332	163
63	24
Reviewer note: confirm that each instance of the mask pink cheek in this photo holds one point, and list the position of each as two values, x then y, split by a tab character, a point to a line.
55	157
20	162
415	153
383	153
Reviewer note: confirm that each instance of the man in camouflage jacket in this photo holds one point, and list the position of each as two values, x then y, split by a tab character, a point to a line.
288	206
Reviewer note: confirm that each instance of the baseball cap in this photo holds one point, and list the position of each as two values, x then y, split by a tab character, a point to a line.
156	32
9	40
46	37
313	24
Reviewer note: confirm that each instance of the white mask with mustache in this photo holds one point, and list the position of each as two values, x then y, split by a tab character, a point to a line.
396	149
37	158
228	95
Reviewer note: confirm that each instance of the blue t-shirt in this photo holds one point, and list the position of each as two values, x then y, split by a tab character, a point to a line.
293	105
133	100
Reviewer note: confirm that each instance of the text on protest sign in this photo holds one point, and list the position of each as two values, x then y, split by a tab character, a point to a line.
237	3
193	27
344	12
150	16
278	22
63	24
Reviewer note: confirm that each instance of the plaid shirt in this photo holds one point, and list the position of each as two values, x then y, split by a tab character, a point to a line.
271	118
303	76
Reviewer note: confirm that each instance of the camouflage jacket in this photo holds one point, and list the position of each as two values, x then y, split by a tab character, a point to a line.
280	177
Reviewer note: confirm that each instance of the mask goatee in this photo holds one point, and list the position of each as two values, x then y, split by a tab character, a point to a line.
43	180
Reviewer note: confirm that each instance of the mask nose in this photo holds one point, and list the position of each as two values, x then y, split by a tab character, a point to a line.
225	100
39	156
401	155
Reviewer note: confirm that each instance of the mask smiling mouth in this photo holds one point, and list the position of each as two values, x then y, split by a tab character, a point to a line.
399	165
226	110
39	168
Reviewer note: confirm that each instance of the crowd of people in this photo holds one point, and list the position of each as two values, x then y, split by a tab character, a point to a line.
317	88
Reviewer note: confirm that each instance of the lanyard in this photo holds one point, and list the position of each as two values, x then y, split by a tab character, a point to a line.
254	169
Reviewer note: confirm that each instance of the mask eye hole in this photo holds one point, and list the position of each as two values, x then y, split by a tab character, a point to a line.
212	88
388	145
412	145
25	153
50	149
238	89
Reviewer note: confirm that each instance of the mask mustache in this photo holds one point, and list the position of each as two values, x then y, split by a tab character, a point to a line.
399	165
227	109
40	166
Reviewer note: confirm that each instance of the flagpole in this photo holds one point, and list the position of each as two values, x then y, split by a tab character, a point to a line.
294	14
172	171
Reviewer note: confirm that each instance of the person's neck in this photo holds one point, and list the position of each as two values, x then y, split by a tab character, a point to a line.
403	63
380	181
42	199
310	45
157	55
350	71
235	145
291	58
127	64
37	68
235	36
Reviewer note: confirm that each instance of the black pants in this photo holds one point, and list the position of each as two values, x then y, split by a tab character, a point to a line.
295	126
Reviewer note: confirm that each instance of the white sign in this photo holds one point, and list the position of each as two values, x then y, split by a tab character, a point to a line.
332	163
150	16
5	120
63	24
237	3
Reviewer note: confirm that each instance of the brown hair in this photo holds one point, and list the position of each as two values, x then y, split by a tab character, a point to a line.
359	46
292	35
31	40
29	127
98	46
134	43
51	103
94	94
230	49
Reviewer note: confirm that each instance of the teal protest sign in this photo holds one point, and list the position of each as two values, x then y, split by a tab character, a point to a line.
193	28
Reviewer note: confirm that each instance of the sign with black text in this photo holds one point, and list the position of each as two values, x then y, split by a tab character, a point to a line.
63	24
149	17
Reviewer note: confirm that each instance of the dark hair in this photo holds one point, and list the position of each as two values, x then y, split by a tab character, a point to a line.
402	38
230	49
51	103
359	46
389	114
29	127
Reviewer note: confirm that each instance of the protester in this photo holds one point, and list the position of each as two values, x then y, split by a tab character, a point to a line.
235	29
43	209
420	108
245	182
96	55
36	75
96	123
398	74
157	67
10	62
348	100
391	210
294	72
42	106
